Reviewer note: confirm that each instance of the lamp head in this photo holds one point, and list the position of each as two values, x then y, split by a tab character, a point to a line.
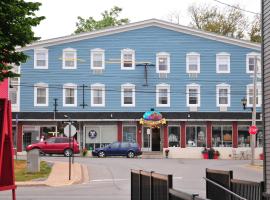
244	102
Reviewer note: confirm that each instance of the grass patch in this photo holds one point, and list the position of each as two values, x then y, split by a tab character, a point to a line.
21	173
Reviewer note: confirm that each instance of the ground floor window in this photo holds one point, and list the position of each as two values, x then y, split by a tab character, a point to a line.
259	137
243	136
174	136
196	136
31	134
47	131
129	133
221	136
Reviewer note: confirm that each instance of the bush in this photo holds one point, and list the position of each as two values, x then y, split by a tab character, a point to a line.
84	152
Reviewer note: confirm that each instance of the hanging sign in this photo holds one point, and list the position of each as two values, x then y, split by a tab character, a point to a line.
152	119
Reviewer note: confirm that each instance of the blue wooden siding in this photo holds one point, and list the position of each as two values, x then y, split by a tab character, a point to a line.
146	42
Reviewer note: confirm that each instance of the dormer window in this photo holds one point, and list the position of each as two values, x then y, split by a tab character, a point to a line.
127	59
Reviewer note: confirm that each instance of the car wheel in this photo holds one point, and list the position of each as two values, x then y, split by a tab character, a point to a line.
130	154
68	152
101	154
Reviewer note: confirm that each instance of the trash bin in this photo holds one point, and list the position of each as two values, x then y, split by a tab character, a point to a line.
33	161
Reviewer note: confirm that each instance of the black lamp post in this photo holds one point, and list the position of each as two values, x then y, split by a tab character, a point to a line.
244	104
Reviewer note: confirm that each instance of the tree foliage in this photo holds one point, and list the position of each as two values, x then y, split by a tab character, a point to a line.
255	30
16	21
109	18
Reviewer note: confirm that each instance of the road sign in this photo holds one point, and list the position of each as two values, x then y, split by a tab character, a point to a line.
72	132
252	130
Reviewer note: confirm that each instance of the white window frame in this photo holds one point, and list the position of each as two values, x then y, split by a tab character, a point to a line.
218	56
198	88
35	58
163	54
198	63
128	86
97	86
259	88
69	50
41	85
93	51
128	51
15	88
67	86
251	55
163	86
228	88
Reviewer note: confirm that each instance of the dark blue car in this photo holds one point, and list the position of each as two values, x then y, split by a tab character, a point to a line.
128	149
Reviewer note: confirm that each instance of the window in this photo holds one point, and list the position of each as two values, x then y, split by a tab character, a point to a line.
174	136
41	94
41	59
127	59
129	133
193	95
222	136
193	63
163	62
196	136
163	95
14	89
223	63
70	95
97	95
243	136
223	95
69	59
250	95
97	59
251	62
128	95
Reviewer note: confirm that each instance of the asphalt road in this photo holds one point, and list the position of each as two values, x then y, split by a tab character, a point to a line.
110	177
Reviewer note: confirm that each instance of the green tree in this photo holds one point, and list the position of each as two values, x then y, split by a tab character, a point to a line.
109	18
16	21
255	30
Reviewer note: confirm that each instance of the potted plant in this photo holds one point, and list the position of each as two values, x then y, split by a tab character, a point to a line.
167	152
205	153
216	154
84	152
261	156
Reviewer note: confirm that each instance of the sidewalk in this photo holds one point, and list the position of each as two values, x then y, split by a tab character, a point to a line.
59	176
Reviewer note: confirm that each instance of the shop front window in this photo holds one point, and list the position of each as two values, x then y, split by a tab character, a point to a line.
195	136
222	136
47	131
129	134
243	136
259	137
30	135
174	136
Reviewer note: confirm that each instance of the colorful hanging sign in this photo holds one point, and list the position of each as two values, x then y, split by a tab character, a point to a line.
152	119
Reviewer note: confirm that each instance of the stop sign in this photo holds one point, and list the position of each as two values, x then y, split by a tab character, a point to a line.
252	130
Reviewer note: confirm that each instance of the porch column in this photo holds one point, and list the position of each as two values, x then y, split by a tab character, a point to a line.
165	145
209	134
234	135
183	134
19	137
139	134
119	131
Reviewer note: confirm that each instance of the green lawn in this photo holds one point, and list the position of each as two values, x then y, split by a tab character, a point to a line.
22	175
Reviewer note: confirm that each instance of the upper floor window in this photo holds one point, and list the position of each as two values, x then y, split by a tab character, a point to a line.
70	94
14	84
97	95
127	95
41	94
41	59
163	95
223	95
251	62
193	95
250	95
223	63
97	59
69	58
127	59
163	62
193	63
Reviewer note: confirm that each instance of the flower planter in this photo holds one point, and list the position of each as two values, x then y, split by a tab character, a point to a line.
215	156
261	156
205	155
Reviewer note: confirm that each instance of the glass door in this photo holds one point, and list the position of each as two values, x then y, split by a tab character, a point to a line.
146	139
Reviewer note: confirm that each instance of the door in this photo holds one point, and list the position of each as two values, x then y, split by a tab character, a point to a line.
113	149
155	139
50	146
146	139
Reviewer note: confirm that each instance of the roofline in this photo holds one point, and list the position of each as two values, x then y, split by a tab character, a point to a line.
137	25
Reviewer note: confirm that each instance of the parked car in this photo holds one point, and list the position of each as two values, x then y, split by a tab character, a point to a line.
128	149
56	145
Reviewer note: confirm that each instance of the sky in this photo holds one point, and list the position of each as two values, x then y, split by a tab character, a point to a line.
61	15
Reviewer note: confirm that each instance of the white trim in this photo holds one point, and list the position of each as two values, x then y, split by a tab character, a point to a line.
163	86
143	24
71	86
97	50
69	50
223	54
41	50
128	86
198	88
251	54
130	51
163	54
198	62
15	107
228	88
259	88
41	85
98	86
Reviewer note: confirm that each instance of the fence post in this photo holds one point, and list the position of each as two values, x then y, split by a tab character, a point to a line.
140	184
169	185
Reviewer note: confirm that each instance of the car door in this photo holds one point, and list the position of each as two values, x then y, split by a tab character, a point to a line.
49	145
124	147
113	149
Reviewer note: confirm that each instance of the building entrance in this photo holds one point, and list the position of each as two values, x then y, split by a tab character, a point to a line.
155	139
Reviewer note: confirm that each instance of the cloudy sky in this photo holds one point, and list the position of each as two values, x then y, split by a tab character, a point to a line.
61	15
